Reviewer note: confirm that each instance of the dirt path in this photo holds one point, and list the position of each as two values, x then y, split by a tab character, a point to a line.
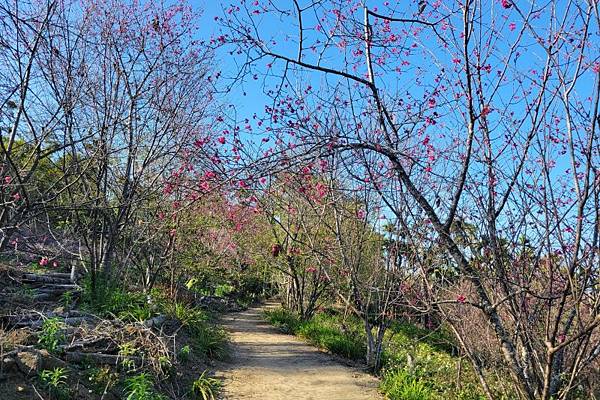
268	365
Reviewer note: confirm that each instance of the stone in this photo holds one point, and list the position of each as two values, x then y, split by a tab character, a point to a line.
29	362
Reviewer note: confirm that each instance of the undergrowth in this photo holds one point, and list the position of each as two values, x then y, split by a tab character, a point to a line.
418	364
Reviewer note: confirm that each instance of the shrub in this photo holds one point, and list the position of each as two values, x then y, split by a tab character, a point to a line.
325	332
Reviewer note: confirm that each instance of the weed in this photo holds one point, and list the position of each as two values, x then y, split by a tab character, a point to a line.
141	387
207	339
223	290
188	316
210	341
402	385
284	320
127	350
205	387
51	336
55	382
115	301
67	299
102	378
184	353
325	332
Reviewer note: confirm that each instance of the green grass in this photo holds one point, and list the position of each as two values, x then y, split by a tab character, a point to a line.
284	320
431	355
323	331
207	339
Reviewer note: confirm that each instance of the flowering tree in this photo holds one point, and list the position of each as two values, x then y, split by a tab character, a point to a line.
33	145
480	119
145	104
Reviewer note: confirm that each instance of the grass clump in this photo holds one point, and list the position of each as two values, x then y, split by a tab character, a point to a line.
326	332
206	387
402	385
114	301
284	320
141	387
207	339
323	331
55	383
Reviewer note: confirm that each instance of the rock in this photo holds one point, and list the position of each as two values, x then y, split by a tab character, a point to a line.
29	362
32	361
51	362
8	364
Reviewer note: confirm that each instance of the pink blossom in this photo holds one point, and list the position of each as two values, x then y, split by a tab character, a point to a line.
361	214
461	298
221	139
16	196
512	26
506	4
44	261
55	264
7	179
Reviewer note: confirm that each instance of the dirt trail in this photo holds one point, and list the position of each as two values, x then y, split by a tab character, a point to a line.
268	365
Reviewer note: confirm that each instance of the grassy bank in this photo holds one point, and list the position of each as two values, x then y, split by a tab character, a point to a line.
418	364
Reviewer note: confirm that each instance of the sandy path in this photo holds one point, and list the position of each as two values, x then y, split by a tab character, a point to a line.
268	365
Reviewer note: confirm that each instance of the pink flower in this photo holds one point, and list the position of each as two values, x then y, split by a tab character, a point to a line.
512	26
221	140
16	196
506	4
44	261
485	111
205	186
361	214
55	264
7	180
461	299
596	68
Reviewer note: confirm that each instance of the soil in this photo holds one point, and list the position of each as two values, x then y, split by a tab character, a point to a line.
268	365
